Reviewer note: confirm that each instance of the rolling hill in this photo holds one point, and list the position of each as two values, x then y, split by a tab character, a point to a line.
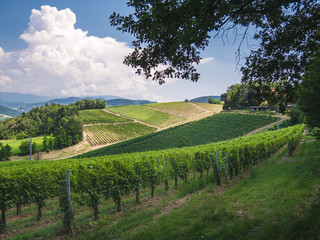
8	111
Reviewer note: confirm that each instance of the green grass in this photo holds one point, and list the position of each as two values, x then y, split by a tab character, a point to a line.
16	143
182	109
147	115
99	116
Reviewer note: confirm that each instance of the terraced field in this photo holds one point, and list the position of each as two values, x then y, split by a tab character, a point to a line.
181	109
110	133
99	116
147	115
216	108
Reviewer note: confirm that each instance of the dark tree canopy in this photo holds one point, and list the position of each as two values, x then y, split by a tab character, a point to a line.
309	94
239	96
171	34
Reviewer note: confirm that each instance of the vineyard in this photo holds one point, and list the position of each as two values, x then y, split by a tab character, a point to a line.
147	115
216	108
110	133
98	179
100	116
216	128
182	109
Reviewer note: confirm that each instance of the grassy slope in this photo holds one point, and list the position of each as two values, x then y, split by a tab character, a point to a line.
210	107
99	116
16	143
281	200
182	109
147	115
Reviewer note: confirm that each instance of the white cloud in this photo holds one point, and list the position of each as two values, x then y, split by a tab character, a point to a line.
206	60
62	60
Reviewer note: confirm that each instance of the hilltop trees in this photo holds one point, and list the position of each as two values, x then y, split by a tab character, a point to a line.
239	96
62	122
90	104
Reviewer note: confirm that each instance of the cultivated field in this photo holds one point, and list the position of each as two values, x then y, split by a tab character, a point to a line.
158	182
181	109
99	116
147	115
111	133
216	128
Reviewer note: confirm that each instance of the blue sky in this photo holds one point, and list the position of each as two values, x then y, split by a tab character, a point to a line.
57	52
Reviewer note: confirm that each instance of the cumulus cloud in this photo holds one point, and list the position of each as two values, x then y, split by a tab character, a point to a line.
62	60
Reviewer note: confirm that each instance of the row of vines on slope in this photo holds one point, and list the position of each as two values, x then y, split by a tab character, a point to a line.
95	179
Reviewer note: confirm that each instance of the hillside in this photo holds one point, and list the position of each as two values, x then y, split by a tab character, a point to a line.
8	111
216	128
274	197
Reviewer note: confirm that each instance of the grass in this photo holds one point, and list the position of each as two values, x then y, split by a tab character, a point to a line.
99	116
16	143
147	115
281	200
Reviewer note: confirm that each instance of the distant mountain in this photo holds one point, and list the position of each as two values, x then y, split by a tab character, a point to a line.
204	99
124	102
8	111
11	97
110	99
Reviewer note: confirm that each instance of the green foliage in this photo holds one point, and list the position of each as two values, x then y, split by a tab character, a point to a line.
184	142
99	116
296	115
215	128
90	104
116	176
239	96
309	93
214	101
25	147
5	152
60	121
48	143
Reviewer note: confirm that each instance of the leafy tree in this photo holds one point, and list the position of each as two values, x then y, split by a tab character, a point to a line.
210	100
239	96
309	94
5	152
25	147
172	33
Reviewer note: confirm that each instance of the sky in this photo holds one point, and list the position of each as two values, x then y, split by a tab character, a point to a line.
64	48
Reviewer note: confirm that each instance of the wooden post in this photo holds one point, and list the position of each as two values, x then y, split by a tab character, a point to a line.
218	170
68	188
30	147
226	165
